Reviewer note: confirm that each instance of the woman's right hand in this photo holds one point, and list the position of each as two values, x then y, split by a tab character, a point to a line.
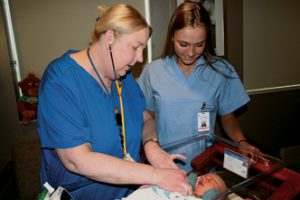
173	180
159	158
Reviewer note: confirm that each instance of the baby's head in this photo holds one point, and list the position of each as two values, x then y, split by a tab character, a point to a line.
209	186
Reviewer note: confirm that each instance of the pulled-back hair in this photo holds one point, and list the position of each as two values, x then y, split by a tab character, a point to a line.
192	14
121	18
189	14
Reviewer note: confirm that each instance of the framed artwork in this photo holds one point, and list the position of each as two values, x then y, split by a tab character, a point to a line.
215	9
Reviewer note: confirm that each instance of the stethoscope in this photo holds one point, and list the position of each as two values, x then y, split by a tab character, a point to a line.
118	83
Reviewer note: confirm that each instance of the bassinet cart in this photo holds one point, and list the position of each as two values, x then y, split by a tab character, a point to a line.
263	178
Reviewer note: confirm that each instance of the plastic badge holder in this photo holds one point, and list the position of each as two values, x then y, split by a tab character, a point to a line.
208	156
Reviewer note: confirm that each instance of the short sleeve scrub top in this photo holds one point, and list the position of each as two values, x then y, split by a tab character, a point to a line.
73	110
177	99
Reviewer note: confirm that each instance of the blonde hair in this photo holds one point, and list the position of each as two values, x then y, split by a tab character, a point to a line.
121	18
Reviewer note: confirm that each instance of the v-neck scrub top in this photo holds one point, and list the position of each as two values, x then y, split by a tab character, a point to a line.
177	99
73	110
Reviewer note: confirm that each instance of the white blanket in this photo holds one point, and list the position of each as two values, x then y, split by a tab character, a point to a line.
155	193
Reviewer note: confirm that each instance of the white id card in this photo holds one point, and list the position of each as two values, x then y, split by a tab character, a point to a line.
203	121
236	163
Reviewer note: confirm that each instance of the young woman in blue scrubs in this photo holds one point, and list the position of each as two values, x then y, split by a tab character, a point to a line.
189	86
92	116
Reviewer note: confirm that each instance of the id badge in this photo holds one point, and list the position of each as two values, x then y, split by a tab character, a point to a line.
203	121
236	163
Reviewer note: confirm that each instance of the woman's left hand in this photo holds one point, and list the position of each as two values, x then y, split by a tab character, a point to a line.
248	149
159	158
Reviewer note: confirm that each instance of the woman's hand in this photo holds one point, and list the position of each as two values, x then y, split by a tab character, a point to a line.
173	180
251	151
159	158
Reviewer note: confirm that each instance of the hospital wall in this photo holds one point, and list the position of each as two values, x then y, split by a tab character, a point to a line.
271	119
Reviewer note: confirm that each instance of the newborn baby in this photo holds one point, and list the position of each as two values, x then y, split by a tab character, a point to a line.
209	186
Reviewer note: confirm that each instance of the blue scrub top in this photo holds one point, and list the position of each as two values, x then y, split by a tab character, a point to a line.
177	99
74	109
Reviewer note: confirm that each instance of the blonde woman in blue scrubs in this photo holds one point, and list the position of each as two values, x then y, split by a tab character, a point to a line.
189	86
84	147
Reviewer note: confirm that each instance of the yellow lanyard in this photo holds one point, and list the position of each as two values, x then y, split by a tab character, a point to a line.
119	90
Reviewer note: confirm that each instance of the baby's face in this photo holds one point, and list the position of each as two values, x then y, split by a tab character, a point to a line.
209	181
